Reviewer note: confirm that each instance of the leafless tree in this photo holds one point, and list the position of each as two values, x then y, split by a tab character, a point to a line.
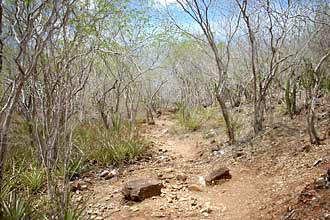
199	12
31	24
277	25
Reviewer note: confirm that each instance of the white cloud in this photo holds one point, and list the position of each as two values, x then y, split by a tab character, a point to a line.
166	2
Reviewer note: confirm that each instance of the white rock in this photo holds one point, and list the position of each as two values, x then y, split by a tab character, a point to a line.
104	173
202	180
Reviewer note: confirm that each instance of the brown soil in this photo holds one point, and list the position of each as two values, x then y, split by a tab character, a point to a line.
272	175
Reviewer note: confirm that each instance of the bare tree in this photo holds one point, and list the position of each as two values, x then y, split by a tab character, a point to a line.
199	12
30	34
314	77
277	25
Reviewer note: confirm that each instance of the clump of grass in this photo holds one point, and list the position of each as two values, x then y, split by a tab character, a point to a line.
15	207
281	108
55	209
33	179
192	119
187	117
76	167
211	117
109	146
74	213
111	151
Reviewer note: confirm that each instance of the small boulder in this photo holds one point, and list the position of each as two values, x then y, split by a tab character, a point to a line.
104	173
138	190
216	175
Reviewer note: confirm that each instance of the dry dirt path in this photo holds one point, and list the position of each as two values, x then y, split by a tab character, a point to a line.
240	198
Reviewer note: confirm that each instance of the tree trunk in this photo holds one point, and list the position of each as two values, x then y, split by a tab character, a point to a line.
150	117
5	120
1	42
3	148
259	109
314	138
225	114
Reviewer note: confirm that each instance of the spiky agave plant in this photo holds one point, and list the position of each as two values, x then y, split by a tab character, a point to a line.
15	207
33	179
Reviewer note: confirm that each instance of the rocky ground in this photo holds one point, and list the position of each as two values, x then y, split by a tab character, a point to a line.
274	176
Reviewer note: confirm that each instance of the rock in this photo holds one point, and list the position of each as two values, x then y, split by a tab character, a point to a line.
112	174
183	199
216	175
201	180
75	176
176	187
107	177
182	177
238	154
307	148
218	153
206	210
193	203
79	199
169	170
104	173
134	209
75	186
211	134
84	187
213	142
317	162
205	214
214	148
195	188
138	190
169	199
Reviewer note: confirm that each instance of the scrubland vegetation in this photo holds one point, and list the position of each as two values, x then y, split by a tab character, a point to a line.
80	77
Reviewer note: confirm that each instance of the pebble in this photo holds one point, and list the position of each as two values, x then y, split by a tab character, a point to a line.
104	173
134	209
194	188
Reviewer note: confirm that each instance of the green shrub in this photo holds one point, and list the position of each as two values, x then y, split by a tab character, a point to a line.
187	117
116	123
56	209
109	146
325	84
33	179
20	139
74	213
108	150
15	207
192	119
77	166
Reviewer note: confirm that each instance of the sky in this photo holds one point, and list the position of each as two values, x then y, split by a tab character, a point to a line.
166	2
216	14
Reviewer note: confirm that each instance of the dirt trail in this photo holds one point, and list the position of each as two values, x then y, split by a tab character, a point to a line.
236	199
241	198
182	146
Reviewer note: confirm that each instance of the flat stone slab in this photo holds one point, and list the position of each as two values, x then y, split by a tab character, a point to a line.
138	190
216	175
